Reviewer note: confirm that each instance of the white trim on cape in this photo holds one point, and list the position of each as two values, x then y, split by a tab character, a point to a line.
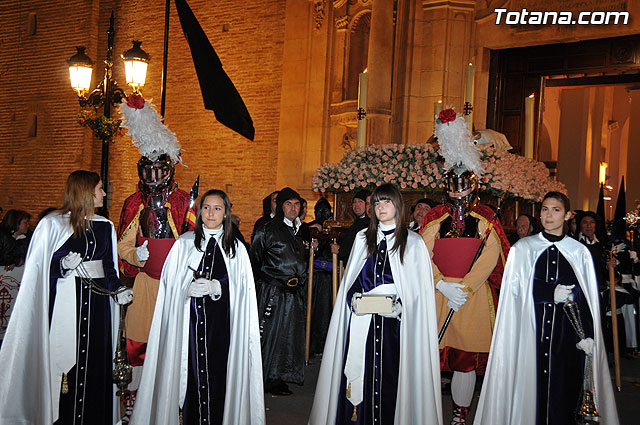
509	389
418	399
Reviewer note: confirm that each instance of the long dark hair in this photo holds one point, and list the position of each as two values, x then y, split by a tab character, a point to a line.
228	240
78	199
391	193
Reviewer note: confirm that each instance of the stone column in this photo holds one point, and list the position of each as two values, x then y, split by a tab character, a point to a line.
379	65
448	48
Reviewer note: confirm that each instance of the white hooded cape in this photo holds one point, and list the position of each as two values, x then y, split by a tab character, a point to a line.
27	395
164	374
509	389
418	399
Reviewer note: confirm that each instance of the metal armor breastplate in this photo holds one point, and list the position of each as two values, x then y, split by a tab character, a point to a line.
154	221
470	227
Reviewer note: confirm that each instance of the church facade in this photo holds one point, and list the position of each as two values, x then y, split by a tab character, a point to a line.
297	65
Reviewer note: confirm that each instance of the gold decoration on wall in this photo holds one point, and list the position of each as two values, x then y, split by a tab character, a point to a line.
318	13
341	22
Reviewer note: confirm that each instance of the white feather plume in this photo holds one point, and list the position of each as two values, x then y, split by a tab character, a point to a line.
457	147
148	133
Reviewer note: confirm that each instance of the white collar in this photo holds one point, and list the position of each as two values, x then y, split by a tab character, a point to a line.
295	225
588	241
386	227
216	233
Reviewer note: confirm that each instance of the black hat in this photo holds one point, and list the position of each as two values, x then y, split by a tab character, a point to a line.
362	194
427	201
283	196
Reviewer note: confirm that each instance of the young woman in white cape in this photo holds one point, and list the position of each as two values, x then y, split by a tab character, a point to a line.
203	361
537	360
57	354
382	368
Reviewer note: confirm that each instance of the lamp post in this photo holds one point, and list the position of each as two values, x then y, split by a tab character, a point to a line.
107	94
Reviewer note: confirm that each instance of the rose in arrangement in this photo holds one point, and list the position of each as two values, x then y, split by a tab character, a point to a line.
418	167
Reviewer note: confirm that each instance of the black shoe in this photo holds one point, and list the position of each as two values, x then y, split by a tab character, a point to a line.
278	388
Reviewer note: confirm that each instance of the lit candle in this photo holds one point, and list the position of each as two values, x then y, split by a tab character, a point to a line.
437	108
470	74
363	81
528	125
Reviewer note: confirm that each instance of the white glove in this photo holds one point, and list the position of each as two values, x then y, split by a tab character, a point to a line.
201	287
71	261
396	311
454	293
124	297
618	248
354	301
633	256
142	252
586	345
563	293
455	306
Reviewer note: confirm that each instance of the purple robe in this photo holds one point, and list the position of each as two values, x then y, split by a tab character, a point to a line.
209	337
90	395
382	353
560	364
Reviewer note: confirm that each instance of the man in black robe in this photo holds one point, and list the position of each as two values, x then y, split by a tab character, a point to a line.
361	205
279	260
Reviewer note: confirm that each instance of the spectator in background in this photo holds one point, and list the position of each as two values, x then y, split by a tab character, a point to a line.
526	225
7	248
322	299
361	213
572	224
305	232
593	235
418	211
16	225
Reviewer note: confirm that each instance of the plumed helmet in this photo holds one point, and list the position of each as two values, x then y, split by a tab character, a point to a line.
155	175
462	190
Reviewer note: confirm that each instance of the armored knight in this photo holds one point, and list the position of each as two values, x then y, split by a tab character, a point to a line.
151	220
454	234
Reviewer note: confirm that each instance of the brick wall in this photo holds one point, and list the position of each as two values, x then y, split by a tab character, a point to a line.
248	37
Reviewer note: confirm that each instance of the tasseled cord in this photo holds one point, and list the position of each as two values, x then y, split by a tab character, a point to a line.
65	384
354	417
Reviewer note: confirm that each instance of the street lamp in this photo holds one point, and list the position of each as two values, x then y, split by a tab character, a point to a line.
135	65
107	94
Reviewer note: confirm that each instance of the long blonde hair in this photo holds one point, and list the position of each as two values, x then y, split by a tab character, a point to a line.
78	199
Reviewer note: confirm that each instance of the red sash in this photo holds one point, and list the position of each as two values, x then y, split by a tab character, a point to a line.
158	251
453	256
